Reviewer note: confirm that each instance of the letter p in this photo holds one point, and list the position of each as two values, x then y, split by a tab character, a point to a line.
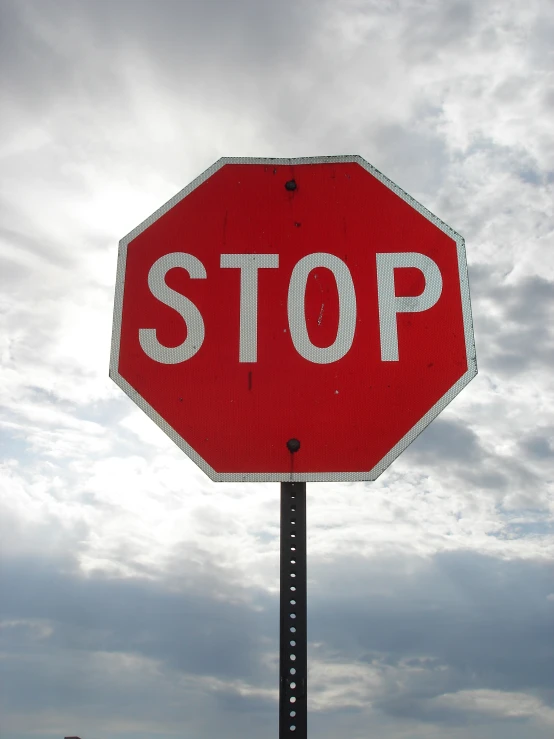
390	305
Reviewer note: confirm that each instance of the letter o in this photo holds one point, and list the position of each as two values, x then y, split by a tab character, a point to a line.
297	315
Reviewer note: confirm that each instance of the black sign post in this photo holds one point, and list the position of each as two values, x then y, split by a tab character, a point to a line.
293	660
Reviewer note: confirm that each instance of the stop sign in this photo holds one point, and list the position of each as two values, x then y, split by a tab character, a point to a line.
280	299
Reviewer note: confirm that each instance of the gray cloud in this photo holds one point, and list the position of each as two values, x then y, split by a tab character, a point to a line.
467	621
434	28
464	621
450	445
519	336
189	630
539	444
448	440
57	48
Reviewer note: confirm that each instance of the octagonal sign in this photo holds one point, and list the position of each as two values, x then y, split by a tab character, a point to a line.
280	299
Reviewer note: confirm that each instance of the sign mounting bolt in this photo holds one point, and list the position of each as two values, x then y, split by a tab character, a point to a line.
293	445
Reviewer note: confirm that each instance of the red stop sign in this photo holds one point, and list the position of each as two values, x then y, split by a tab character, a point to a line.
279	299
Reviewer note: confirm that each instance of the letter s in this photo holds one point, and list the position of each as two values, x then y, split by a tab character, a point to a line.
189	312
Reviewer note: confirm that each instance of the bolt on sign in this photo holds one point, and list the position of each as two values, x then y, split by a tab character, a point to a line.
306	299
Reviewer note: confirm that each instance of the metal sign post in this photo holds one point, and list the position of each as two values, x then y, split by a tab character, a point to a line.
293	661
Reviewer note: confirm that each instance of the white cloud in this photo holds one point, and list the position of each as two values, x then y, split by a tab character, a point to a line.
495	704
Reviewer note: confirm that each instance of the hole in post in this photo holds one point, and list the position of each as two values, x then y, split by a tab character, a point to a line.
293	657
293	686
292	727
292	671
292	643
292	699
292	714
292	602
292	629
292	615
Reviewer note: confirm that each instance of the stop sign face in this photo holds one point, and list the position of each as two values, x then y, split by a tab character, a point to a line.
300	299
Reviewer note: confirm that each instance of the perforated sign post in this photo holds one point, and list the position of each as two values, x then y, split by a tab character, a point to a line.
292	320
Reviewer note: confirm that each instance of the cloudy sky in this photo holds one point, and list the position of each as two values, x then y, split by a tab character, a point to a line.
140	599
